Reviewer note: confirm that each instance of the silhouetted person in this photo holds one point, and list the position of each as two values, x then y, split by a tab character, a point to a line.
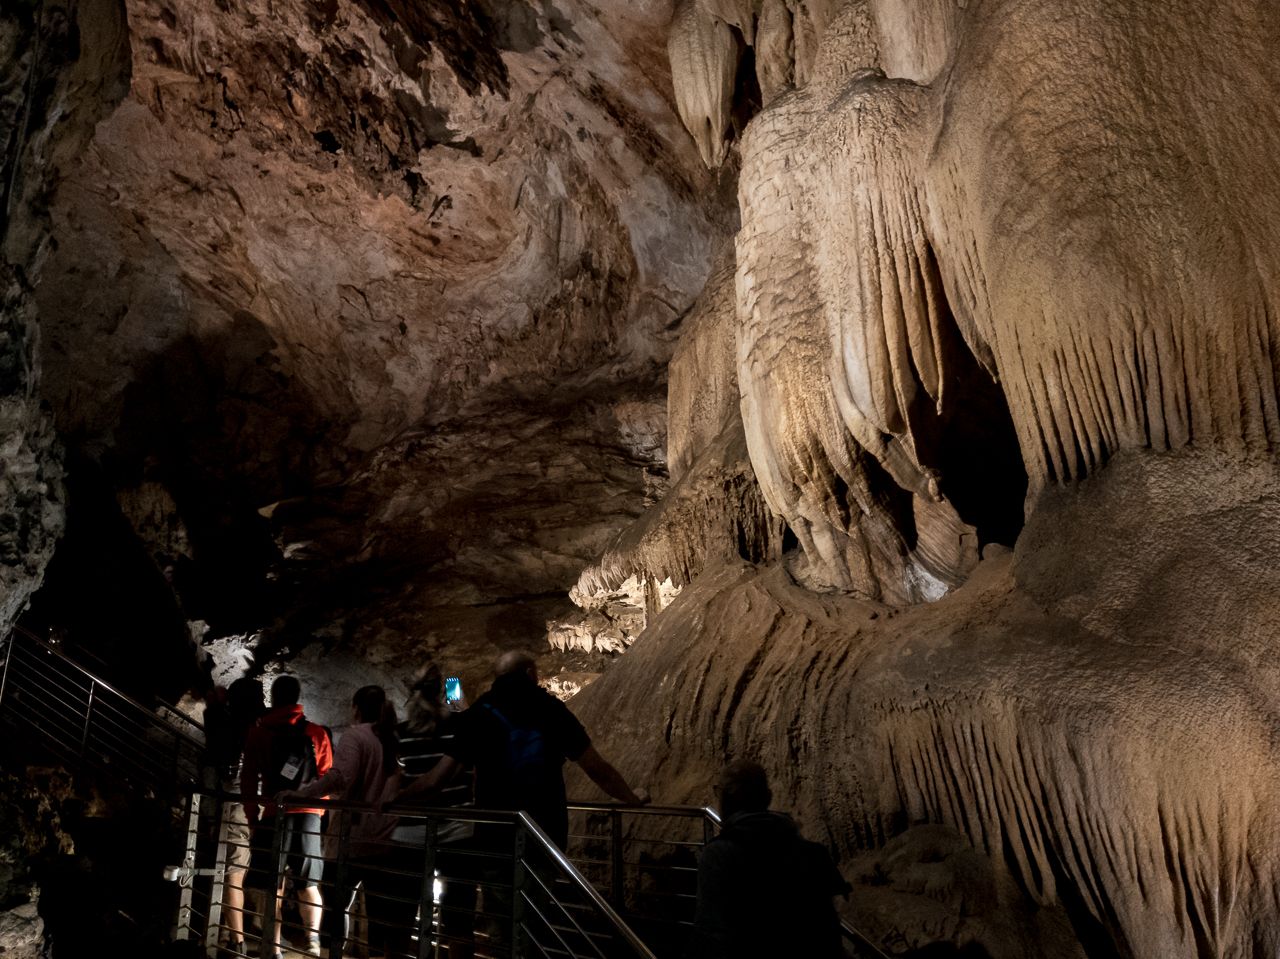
517	737
363	761
228	717
284	752
763	891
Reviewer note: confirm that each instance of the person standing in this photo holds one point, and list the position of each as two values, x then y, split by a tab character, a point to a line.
763	891
285	752
363	761
228	717
518	736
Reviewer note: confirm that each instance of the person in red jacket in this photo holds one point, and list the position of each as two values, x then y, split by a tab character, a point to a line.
284	752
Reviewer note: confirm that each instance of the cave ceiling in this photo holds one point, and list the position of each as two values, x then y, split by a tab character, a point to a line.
927	348
377	298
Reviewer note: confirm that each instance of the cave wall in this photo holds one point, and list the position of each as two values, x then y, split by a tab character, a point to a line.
62	66
1067	709
1005	274
1068	202
336	287
381	323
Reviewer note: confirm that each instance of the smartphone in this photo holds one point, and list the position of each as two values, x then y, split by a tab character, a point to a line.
453	689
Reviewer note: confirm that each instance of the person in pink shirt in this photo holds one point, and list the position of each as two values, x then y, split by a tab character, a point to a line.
362	763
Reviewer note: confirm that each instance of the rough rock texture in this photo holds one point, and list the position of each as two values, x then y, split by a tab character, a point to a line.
358	329
1104	256
713	510
61	64
33	832
929	885
974	222
342	292
1110	743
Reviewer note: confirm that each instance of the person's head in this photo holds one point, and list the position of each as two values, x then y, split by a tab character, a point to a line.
743	787
514	662
429	685
244	698
369	702
286	691
425	707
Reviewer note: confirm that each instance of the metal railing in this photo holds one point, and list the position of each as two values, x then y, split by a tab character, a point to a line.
504	891
60	708
630	872
644	859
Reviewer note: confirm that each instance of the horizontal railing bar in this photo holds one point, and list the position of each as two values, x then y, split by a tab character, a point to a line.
591	891
547	924
35	665
106	686
70	729
34	683
690	812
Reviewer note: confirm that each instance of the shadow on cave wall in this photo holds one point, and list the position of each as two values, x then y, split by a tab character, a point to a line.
163	518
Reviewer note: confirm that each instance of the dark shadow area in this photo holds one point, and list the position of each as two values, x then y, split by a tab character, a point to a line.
747	98
224	432
104	600
164	524
971	443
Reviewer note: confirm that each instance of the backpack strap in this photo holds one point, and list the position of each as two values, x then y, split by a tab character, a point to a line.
501	718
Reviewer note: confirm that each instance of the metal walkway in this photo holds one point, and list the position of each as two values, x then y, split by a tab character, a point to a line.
624	889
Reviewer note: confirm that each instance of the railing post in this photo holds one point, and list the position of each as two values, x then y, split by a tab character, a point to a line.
518	883
339	889
186	878
708	830
88	718
271	899
615	858
10	644
218	891
427	899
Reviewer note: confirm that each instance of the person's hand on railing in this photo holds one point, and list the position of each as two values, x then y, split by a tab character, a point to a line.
642	796
287	797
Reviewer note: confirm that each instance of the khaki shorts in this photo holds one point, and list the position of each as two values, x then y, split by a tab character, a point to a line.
235	830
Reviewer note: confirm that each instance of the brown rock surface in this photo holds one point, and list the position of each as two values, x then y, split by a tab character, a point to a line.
358	325
1107	740
61	66
392	266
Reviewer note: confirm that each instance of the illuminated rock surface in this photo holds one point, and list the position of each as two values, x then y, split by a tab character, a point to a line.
894	381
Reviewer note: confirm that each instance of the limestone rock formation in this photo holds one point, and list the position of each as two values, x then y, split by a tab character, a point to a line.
333	283
1108	742
987	250
713	510
911	206
61	65
900	372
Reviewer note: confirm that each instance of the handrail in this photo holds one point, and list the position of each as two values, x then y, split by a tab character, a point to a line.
535	855
98	680
594	894
708	814
85	721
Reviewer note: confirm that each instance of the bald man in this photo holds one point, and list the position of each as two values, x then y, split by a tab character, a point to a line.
518	736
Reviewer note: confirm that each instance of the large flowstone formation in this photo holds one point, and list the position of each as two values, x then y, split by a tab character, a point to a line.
987	251
923	350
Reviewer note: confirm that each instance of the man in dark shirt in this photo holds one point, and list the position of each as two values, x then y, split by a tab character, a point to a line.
762	890
517	736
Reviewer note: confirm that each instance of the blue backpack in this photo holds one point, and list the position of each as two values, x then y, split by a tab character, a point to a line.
529	763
